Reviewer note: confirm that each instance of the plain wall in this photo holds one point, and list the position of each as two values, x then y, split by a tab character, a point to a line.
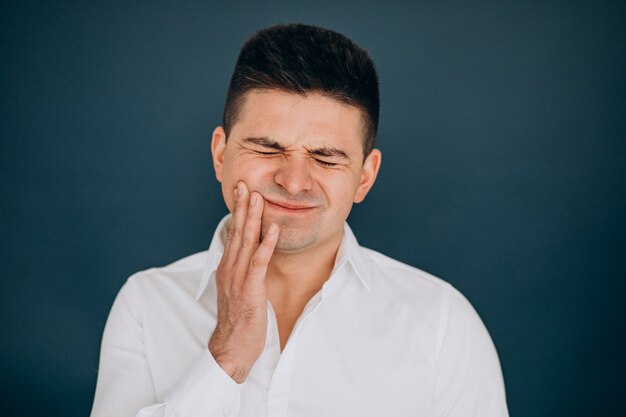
503	139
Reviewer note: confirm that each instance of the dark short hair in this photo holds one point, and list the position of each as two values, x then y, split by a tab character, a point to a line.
302	59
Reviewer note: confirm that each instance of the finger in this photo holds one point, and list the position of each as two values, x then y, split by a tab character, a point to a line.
261	258
231	223
251	232
237	224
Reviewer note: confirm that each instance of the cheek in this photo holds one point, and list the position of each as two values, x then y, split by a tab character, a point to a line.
229	182
341	191
254	175
227	193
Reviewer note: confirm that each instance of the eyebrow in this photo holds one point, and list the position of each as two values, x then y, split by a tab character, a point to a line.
323	151
265	142
329	152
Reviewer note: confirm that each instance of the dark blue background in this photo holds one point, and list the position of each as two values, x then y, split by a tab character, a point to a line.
503	135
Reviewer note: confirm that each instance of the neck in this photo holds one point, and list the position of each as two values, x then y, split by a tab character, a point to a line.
293	278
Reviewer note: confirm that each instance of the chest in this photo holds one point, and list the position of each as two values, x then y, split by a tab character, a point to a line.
285	320
342	363
332	359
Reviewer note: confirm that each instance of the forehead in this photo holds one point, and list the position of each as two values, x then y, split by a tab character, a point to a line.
293	119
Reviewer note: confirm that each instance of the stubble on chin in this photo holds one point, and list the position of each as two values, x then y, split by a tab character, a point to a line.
291	238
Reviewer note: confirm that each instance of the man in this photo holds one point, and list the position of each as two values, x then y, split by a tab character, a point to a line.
285	314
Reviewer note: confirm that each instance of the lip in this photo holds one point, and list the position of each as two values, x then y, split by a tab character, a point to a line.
289	207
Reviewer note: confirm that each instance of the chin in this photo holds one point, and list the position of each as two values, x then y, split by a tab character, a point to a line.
290	246
290	240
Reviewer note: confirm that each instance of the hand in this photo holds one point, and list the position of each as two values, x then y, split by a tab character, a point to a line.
239	336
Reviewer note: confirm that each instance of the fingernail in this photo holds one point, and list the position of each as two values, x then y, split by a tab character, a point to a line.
272	229
253	199
239	188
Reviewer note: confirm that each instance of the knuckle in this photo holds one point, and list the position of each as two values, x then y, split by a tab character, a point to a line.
257	262
233	232
248	313
246	242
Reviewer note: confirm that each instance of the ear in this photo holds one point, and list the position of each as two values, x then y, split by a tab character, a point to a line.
368	174
218	147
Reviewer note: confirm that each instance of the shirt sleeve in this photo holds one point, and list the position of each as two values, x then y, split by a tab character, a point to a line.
468	380
125	388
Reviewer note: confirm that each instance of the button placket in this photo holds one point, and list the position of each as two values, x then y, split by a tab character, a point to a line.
278	394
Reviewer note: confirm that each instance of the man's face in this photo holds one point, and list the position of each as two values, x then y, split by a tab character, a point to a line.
304	155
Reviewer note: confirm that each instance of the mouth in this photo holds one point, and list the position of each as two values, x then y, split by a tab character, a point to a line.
289	207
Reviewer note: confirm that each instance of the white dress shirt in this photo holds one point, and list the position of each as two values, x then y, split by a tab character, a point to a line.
380	338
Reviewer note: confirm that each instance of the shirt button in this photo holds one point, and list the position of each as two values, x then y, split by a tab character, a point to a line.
225	413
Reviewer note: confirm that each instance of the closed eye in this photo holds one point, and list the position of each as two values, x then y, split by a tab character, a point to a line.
265	153
319	161
326	164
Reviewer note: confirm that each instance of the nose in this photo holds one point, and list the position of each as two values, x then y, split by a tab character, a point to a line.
294	174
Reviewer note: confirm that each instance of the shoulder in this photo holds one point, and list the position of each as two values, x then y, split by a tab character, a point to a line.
402	283
427	296
390	275
181	276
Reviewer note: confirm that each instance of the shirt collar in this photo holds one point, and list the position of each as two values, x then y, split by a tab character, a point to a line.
214	255
349	253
